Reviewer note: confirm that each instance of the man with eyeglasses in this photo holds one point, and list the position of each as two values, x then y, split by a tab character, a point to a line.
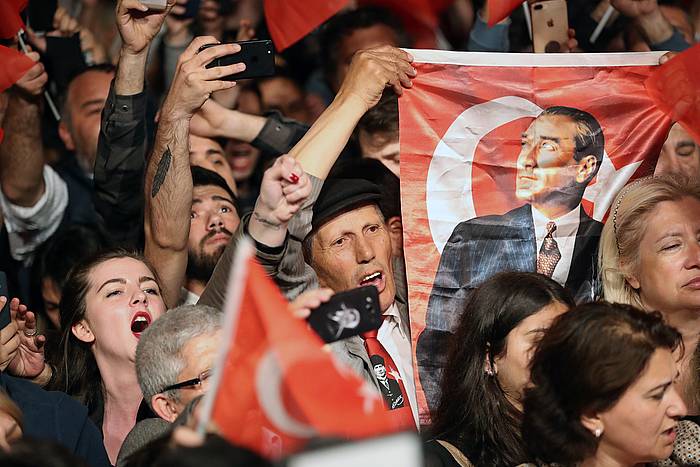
174	359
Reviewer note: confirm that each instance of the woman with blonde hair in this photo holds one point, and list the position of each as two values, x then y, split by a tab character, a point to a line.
649	256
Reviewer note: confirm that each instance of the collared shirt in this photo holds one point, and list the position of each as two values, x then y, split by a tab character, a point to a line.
187	297
565	236
398	345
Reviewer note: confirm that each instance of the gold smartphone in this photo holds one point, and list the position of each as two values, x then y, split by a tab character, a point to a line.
550	25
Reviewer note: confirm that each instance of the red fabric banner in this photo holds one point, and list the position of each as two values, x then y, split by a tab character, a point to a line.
498	10
10	21
279	388
490	141
290	20
14	65
674	88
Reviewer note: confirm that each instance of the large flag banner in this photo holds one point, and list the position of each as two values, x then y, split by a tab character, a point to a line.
290	20
274	386
510	162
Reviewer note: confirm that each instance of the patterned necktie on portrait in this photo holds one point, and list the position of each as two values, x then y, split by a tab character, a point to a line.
549	254
393	390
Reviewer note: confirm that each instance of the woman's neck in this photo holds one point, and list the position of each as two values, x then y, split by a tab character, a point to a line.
604	459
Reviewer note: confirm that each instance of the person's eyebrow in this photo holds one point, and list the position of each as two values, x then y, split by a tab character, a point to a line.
660	386
551	138
111	281
537	331
211	152
673	233
92	102
683	144
221	198
146	279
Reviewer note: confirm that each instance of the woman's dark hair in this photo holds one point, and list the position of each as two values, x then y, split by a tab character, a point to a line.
609	346
77	373
474	413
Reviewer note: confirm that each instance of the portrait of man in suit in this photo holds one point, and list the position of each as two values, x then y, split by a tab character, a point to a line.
561	152
391	391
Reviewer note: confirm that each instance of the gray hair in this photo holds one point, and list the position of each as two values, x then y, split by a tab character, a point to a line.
159	358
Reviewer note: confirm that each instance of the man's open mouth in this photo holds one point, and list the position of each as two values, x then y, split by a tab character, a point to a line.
375	279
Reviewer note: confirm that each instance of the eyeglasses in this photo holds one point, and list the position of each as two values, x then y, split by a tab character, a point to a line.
194	383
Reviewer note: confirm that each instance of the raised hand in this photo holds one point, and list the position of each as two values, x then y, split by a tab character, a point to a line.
28	362
302	306
372	70
138	24
34	80
635	8
9	339
193	82
284	188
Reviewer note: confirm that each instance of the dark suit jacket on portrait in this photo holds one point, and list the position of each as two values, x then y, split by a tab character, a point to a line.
478	249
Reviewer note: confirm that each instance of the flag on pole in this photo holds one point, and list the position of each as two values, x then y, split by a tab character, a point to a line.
674	88
493	147
290	20
10	21
274	387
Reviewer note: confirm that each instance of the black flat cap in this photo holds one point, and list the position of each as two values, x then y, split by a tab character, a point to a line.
340	195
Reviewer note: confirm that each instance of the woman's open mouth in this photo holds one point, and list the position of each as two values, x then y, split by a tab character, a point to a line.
139	322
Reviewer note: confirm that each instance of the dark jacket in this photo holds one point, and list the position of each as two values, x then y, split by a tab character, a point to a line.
56	416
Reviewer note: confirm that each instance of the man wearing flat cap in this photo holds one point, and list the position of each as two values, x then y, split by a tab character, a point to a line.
334	234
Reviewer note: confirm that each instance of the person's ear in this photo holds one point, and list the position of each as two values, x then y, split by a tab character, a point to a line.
395	228
594	424
66	137
586	168
633	282
81	330
490	366
164	407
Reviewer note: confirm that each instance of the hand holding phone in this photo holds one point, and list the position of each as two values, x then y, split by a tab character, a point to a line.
550	26
347	314
5	317
258	56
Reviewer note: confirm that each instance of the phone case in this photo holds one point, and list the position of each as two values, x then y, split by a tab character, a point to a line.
550	25
347	314
258	56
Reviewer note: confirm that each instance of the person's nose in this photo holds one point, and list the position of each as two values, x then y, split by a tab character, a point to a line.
677	408
363	250
692	259
215	221
138	297
528	157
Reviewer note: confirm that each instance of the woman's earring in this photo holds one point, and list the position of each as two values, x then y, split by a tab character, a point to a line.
598	432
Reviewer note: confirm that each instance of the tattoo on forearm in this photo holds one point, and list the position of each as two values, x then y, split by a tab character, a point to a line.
161	172
267	222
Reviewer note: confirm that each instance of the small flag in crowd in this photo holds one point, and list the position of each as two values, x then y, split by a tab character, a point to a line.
290	20
10	21
498	10
673	87
275	387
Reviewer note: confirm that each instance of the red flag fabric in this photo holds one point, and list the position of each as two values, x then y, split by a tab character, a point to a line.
498	10
14	65
279	387
468	127
674	88
291	20
10	21
419	17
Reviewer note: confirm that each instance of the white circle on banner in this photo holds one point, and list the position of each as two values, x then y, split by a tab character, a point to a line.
268	383
449	199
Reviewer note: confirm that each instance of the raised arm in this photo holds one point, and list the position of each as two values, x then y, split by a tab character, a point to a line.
370	72
122	143
168	190
657	31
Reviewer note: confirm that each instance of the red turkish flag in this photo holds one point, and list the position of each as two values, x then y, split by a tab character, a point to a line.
674	87
278	387
461	126
10	21
498	10
290	20
14	65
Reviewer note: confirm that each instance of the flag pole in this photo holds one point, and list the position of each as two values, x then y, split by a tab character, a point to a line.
603	21
47	96
528	19
237	280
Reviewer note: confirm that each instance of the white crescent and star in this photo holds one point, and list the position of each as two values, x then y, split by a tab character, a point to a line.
449	199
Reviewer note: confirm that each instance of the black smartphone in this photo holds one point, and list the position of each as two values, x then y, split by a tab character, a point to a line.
5	312
258	56
40	14
347	314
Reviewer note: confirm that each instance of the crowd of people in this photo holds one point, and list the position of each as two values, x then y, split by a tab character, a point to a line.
121	222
